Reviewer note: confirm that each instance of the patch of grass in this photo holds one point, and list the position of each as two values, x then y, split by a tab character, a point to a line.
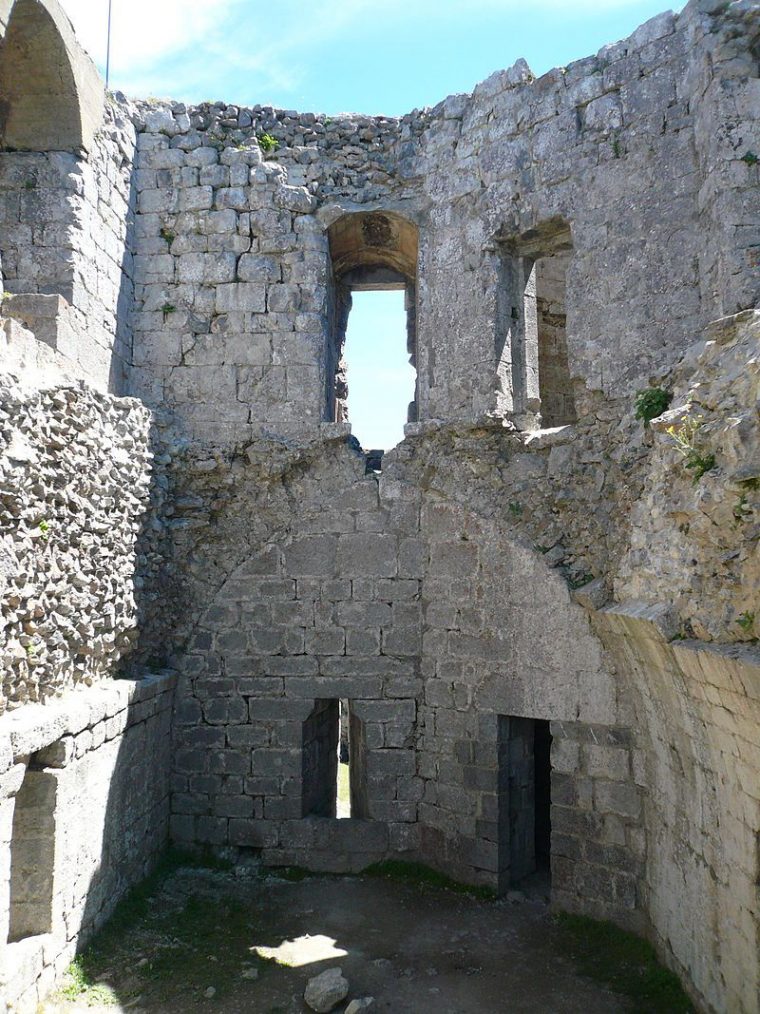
579	580
178	943
746	621
294	873
78	983
418	873
685	439
623	962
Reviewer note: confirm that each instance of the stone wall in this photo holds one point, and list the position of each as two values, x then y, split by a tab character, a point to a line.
697	719
65	230
694	533
226	523
234	271
325	607
84	811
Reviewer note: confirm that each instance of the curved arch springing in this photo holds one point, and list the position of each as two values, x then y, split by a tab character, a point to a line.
50	93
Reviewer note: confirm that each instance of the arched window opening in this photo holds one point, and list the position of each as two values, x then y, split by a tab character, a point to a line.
534	316
372	378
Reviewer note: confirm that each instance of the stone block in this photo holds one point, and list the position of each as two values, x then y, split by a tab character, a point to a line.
241	296
364	555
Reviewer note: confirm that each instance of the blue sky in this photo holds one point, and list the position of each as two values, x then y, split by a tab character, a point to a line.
336	56
372	56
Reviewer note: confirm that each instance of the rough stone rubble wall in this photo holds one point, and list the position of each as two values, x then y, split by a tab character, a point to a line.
714	519
97	761
79	527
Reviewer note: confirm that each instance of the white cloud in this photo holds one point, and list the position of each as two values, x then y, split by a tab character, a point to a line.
146	32
183	47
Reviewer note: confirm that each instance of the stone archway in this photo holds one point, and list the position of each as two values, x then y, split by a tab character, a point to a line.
51	96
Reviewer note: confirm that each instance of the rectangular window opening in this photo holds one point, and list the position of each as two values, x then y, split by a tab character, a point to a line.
33	855
333	762
554	383
524	834
344	763
532	337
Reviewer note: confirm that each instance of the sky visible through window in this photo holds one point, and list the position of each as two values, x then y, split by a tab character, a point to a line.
380	378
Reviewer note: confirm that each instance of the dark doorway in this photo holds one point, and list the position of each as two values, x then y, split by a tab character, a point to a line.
524	746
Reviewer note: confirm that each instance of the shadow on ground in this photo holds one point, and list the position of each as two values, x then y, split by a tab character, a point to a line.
244	940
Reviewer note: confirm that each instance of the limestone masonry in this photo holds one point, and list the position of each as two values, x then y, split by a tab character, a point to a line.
533	628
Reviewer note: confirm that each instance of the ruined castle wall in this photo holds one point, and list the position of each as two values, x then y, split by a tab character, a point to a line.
327	608
724	84
233	264
84	812
502	638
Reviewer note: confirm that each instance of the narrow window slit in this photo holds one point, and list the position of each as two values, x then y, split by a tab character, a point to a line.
333	762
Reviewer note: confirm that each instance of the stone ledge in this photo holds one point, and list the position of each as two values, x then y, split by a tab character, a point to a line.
34	727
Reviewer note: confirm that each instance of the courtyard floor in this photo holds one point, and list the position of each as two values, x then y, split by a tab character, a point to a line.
248	941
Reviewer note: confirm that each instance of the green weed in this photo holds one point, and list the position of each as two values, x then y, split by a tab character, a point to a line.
651	402
418	873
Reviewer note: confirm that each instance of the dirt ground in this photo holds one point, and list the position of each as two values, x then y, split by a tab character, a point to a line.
255	941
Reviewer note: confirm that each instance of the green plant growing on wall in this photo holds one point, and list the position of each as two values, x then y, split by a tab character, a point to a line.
750	158
685	440
579	580
651	402
167	235
515	509
268	143
167	310
44	527
741	508
746	621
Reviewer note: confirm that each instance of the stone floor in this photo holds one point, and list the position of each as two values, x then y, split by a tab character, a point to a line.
254	942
